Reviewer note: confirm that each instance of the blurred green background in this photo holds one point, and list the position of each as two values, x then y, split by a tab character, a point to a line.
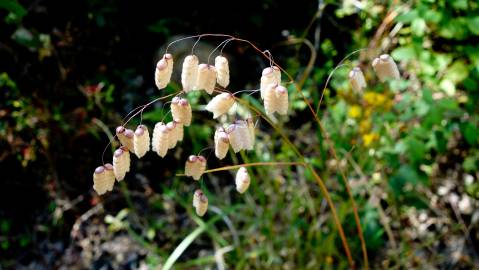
71	70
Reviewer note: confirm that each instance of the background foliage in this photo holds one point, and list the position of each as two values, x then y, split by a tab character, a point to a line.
71	70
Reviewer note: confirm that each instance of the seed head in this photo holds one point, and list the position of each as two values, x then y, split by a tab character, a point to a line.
103	179
385	68
200	202
141	141
195	166
221	143
206	79
121	163
181	111
189	72
223	71
242	180
357	80
164	69
220	104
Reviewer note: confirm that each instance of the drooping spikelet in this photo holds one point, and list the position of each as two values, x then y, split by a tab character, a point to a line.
276	99
159	142
220	104
200	202
121	163
141	141
125	136
221	143
195	166
189	72
282	96
385	68
206	79
242	180
270	100
103	179
172	134
244	134
164	69
234	136
181	111
223	71
270	75
357	80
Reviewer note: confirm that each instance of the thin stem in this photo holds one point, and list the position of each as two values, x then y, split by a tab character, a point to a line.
340	64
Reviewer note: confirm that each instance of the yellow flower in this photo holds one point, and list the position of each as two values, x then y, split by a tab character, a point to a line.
369	138
354	111
364	126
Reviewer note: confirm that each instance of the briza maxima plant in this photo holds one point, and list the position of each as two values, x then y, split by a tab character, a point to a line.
239	134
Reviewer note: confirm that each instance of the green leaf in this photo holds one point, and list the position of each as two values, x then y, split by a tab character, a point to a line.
17	11
470	133
408	17
418	26
473	25
404	53
416	149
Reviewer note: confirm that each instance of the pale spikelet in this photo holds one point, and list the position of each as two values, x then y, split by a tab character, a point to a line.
223	71
385	68
242	180
181	111
357	80
270	99
195	166
125	136
121	163
141	141
103	179
172	134
251	130
234	136
270	75
179	131
282	97
189	72
164	69
244	134
221	143
200	202
206	79
220	104
159	142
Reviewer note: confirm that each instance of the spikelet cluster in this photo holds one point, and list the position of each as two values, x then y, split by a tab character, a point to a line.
103	179
125	136
189	72
195	166
121	163
223	71
200	202
160	140
385	68
270	75
222	143
242	180
141	141
164	69
206	79
276	99
357	80
181	111
220	104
